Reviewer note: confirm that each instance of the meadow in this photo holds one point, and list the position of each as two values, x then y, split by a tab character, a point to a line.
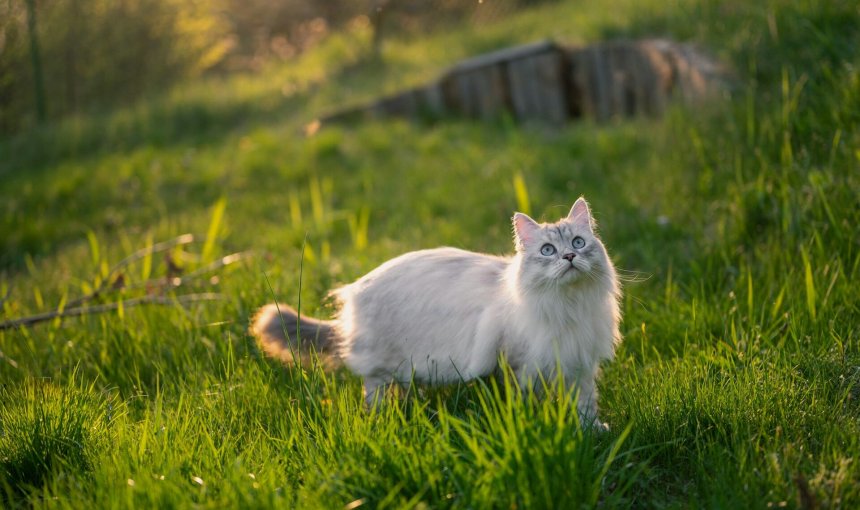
736	225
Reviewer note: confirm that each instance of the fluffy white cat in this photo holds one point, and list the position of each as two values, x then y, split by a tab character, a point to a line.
446	315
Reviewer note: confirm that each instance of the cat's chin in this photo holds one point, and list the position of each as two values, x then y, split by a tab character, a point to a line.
574	276
570	275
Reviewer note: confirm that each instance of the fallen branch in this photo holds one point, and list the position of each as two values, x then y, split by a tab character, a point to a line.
178	281
218	264
88	310
134	257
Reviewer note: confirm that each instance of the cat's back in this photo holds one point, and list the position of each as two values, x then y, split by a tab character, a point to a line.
440	268
419	311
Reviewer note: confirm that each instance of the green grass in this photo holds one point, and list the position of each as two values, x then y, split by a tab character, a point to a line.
738	383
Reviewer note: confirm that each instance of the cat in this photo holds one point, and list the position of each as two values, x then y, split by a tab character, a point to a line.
446	315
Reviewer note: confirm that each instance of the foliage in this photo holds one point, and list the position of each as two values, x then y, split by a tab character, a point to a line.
735	224
46	430
98	51
98	54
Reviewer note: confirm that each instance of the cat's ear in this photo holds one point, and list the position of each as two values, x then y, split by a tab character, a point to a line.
580	214
525	229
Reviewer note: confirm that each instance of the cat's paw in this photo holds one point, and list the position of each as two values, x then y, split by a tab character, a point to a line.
593	423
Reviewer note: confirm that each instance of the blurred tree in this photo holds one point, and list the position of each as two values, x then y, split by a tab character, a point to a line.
379	10
13	65
99	53
36	60
71	58
86	55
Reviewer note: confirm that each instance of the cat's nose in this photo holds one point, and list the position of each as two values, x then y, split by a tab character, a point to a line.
568	256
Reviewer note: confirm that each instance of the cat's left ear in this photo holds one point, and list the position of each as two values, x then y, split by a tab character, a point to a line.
580	214
524	229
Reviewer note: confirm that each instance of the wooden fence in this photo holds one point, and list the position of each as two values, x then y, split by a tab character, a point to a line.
552	83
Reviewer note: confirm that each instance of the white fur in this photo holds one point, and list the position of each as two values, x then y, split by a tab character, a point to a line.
445	315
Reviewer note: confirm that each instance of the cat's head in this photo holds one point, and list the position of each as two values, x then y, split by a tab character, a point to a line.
561	253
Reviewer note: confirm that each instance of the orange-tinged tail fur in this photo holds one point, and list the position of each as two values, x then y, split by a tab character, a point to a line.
283	334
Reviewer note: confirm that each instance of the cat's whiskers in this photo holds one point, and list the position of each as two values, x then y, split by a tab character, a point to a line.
631	276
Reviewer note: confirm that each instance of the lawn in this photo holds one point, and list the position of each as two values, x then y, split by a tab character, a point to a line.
735	225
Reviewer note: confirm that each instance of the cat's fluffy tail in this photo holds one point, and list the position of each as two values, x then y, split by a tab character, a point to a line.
283	334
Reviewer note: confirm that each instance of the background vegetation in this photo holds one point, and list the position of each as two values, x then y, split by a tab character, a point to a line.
61	57
738	384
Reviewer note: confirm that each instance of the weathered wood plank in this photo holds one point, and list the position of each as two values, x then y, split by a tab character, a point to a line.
431	100
537	89
551	83
519	74
505	55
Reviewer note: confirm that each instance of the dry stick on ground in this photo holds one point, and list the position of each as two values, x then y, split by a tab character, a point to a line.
87	310
139	254
181	280
218	264
71	310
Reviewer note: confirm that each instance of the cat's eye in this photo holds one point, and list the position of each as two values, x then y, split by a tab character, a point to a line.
547	250
578	242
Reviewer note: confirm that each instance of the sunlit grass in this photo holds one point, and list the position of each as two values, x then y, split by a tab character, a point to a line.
738	383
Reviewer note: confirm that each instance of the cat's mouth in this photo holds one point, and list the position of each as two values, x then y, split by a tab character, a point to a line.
572	272
569	271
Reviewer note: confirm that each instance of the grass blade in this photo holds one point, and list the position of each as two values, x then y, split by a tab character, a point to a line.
214	228
522	194
809	283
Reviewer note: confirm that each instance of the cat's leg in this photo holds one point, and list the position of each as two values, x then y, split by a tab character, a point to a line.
374	391
586	405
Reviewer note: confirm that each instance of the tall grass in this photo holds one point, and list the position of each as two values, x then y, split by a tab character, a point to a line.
737	384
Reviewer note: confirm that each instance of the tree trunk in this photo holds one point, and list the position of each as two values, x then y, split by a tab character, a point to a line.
35	58
377	18
72	58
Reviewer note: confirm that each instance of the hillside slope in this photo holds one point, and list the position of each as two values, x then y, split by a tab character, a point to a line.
736	226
